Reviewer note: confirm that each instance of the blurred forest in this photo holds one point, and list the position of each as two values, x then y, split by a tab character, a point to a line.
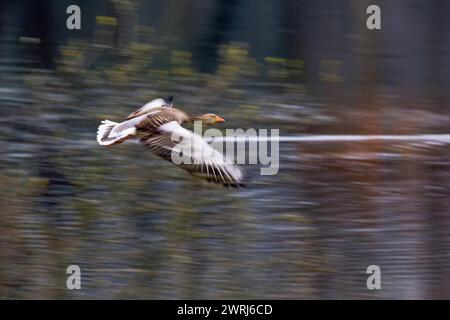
138	228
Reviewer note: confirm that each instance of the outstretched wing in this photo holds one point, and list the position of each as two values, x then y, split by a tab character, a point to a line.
148	107
192	153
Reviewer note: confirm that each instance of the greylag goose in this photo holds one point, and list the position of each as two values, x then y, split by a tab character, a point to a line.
158	125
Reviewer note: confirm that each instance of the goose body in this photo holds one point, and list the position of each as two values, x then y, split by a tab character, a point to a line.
159	127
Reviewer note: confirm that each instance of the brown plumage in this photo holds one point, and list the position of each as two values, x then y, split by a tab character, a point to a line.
158	125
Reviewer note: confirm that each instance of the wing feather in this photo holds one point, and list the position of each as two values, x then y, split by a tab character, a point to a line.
148	107
200	159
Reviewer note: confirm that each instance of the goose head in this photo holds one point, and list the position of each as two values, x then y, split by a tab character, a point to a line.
210	118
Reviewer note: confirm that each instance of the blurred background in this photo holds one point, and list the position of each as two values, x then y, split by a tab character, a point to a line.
139	228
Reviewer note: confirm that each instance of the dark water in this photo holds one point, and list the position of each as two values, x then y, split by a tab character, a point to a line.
140	228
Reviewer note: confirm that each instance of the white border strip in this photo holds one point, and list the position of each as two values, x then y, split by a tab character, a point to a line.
444	138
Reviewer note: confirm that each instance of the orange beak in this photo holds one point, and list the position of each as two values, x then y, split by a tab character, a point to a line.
219	119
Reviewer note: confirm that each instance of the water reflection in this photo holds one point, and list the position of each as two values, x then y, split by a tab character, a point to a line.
138	228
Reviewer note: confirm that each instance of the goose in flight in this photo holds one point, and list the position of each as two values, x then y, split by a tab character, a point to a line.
158	126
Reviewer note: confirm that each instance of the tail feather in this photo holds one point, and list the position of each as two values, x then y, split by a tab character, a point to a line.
103	133
110	132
